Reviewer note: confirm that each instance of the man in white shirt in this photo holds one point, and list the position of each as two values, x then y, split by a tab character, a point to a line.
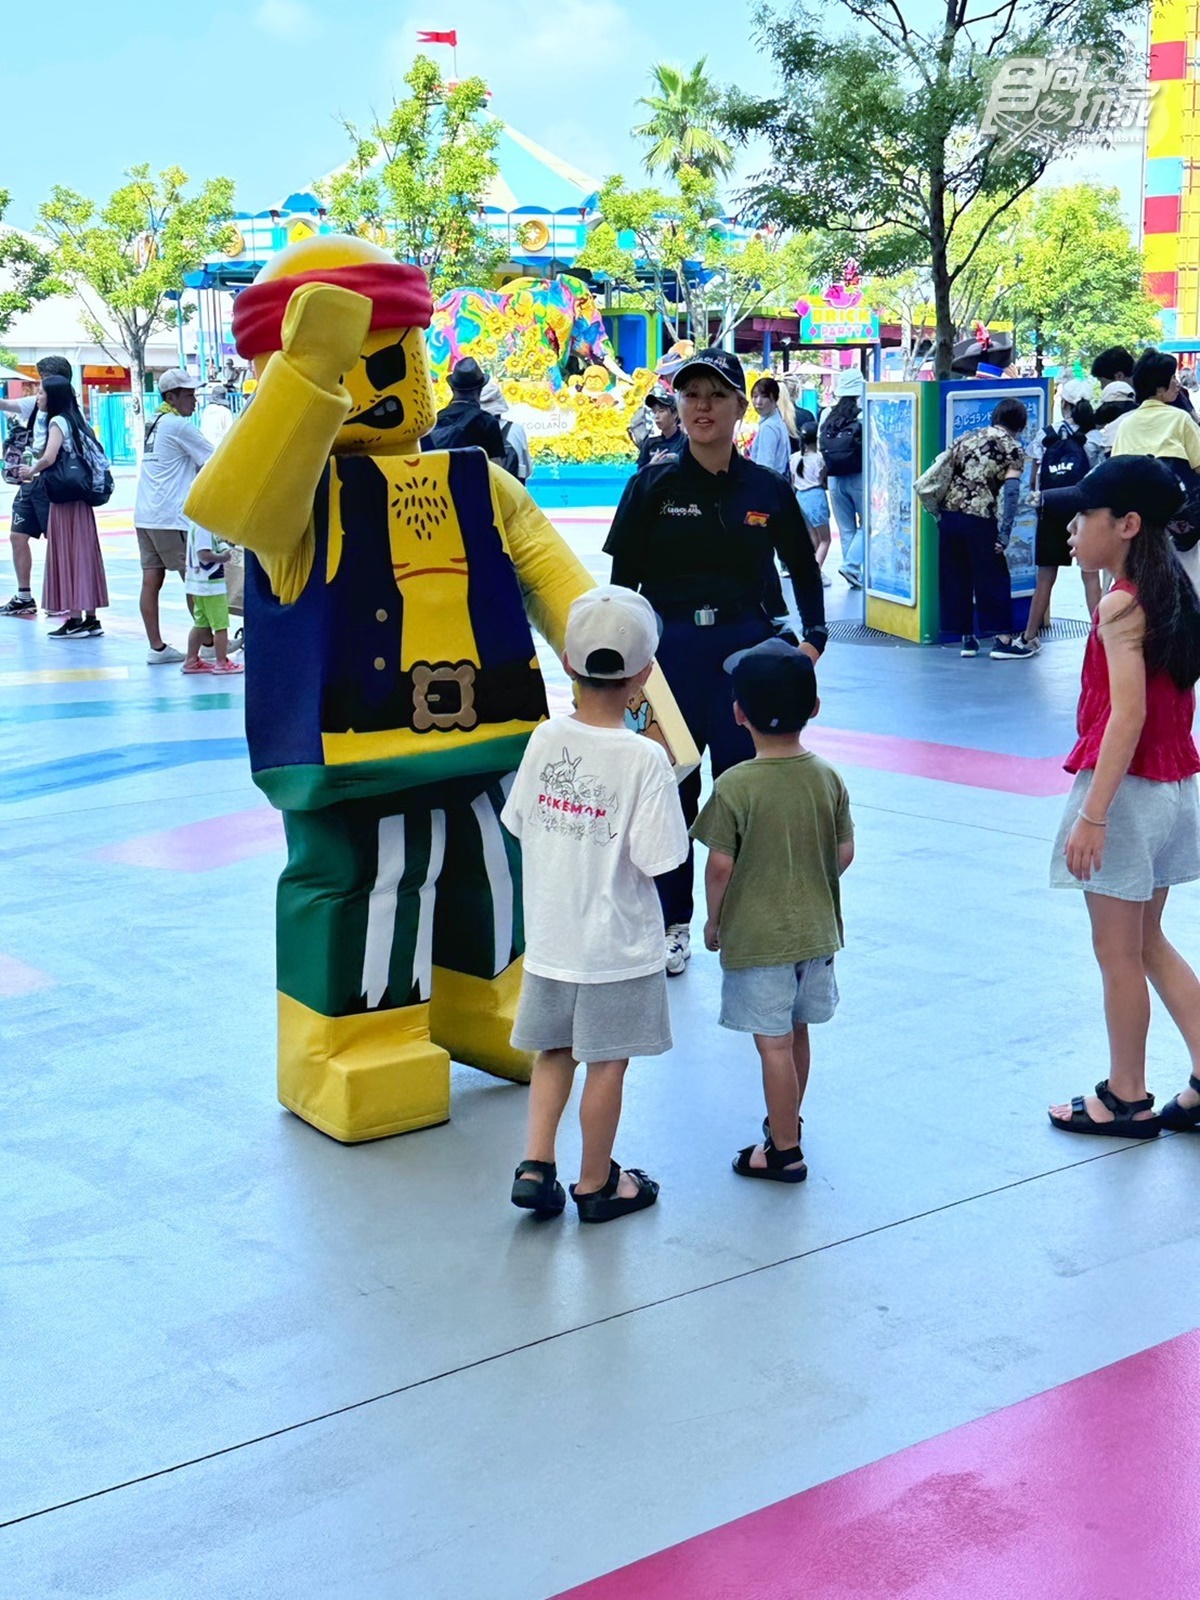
31	506
174	453
217	418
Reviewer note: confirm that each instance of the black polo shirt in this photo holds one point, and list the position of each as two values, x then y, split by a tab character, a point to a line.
688	538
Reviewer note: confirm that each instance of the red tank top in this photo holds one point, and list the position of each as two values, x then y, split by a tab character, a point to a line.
1166	751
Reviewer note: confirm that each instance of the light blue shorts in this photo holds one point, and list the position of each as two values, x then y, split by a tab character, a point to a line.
815	505
774	1000
1152	840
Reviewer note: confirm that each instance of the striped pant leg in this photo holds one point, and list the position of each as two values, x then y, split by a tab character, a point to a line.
478	926
356	907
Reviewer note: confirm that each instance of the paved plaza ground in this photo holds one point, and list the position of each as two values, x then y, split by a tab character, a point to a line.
243	1362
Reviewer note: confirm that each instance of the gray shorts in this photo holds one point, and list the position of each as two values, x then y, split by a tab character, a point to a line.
774	1000
594	1021
1152	840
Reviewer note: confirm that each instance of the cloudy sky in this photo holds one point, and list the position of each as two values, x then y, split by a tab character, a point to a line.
257	91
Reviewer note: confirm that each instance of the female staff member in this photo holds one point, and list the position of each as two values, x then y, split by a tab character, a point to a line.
698	537
772	447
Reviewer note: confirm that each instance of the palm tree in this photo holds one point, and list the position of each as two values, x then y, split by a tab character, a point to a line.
683	122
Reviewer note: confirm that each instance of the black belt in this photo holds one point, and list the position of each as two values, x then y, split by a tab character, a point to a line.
442	695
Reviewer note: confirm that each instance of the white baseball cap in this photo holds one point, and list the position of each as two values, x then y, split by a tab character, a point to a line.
177	378
611	633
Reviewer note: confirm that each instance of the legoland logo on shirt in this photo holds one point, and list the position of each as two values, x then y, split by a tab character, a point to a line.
672	510
757	519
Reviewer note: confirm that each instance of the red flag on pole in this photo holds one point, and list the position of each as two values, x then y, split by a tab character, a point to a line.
450	37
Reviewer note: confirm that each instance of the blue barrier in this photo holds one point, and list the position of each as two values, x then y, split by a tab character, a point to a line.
555	485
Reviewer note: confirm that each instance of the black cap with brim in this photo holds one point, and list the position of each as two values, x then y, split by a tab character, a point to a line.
720	364
1122	485
775	684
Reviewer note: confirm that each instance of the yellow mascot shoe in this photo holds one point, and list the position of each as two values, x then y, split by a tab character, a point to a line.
473	1019
362	1077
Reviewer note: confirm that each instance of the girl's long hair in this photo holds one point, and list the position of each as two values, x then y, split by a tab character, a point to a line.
787	410
61	402
1165	594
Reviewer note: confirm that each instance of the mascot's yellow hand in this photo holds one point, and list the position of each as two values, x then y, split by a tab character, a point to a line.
324	328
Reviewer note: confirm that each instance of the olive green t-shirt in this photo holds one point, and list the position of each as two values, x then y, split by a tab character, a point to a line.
781	819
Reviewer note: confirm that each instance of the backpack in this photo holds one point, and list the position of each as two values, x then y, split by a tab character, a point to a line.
81	474
454	434
1064	460
512	461
934	483
20	439
841	445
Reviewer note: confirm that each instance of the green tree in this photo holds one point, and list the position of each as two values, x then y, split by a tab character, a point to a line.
417	179
128	257
688	263
685	123
1077	283
26	275
885	131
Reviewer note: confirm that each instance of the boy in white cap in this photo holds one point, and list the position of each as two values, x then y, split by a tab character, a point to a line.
597	812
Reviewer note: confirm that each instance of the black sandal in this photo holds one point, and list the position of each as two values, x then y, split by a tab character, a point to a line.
542	1194
1182	1119
602	1205
1125	1123
783	1166
799	1129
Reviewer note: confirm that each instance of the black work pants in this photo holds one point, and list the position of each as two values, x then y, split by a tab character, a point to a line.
974	579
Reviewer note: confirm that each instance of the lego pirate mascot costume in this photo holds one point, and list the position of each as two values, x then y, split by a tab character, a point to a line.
391	688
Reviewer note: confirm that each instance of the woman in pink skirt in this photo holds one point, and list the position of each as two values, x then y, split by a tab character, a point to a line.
74	581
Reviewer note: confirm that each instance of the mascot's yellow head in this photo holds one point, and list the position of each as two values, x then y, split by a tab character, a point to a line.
390	389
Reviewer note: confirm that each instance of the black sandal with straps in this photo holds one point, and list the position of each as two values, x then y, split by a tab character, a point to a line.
783	1166
1126	1124
603	1205
1182	1119
536	1188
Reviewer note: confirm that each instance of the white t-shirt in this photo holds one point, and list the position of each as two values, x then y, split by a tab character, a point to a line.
807	467
216	422
62	427
202	577
38	443
175	454
598	816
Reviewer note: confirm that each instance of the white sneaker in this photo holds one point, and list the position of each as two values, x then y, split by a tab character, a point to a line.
208	652
679	948
167	656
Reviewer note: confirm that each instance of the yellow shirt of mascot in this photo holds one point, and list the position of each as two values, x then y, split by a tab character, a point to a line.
336	386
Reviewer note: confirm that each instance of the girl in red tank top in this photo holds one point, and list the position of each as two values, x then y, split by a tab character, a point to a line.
1131	829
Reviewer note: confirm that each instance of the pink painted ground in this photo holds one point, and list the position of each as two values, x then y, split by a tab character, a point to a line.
1087	1492
202	846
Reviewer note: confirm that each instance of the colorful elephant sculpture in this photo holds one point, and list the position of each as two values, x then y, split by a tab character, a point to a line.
527	331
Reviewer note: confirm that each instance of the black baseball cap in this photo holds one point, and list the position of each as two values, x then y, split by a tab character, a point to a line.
1121	485
722	364
775	684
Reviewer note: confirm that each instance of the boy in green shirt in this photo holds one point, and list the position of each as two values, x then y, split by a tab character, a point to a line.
779	837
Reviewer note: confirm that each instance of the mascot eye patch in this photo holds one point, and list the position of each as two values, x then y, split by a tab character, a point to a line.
387	366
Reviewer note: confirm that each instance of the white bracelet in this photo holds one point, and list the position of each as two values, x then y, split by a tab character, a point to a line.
1083	817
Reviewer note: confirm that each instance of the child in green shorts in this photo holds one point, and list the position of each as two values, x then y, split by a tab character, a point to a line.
779	837
204	581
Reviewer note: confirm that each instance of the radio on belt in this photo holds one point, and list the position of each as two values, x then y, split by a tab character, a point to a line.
705	617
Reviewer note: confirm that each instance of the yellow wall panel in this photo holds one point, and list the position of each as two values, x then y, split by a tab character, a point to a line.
1171	20
1162	252
1165	134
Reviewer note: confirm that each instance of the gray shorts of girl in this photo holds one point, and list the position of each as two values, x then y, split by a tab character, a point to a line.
594	1021
1152	840
774	1000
